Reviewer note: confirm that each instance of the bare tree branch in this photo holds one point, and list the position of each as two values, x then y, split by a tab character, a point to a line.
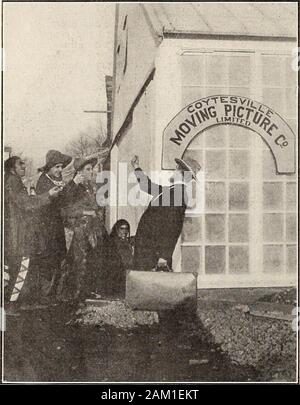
87	142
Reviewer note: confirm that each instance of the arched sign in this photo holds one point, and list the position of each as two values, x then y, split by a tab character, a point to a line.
234	110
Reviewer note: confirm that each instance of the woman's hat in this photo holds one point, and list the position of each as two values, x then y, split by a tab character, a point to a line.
189	164
79	163
54	157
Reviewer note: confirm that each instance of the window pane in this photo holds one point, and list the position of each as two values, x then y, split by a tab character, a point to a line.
291	227
239	91
215	228
239	70
238	228
291	258
238	196
238	164
272	67
258	143
269	168
215	167
291	196
190	94
191	231
291	102
293	124
290	74
215	259
273	259
238	259
215	196
273	196
190	259
192	69
215	70
273	228
197	142
238	136
215	91
273	98
215	136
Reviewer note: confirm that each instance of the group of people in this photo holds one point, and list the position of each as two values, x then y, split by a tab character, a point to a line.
40	267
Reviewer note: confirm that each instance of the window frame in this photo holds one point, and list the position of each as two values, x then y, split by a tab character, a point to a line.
255	242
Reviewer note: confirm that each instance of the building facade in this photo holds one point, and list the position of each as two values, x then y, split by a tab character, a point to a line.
170	55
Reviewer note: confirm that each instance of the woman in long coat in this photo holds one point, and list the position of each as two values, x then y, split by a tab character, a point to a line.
123	242
120	256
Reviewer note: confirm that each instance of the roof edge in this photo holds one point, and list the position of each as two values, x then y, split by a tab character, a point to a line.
223	35
157	36
149	76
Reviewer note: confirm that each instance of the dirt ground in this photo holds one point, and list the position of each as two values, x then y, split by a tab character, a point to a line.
254	327
39	346
59	345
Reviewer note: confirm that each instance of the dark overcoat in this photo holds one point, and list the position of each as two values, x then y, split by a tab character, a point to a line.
51	227
20	210
161	223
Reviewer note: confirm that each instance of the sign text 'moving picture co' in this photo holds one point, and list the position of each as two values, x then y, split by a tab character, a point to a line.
232	110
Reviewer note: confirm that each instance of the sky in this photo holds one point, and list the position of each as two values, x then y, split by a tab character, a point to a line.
56	56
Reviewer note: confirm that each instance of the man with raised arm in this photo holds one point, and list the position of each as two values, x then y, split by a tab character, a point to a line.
161	223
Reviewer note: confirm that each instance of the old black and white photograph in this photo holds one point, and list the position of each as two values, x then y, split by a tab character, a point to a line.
149	194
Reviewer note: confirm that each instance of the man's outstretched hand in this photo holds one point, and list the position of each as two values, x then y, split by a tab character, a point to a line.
135	162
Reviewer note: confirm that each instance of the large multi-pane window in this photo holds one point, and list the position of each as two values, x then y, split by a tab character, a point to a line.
248	224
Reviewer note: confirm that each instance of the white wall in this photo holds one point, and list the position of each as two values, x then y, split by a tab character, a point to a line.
136	139
141	51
